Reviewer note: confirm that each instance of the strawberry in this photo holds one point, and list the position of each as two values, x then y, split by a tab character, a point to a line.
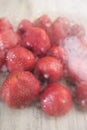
60	29
57	52
49	68
23	26
5	24
8	39
80	96
2	57
20	58
77	30
56	100
20	89
37	40
44	22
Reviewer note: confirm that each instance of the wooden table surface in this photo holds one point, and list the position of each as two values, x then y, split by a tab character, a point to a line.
32	118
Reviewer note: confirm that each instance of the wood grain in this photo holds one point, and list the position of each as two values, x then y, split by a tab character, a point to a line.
32	118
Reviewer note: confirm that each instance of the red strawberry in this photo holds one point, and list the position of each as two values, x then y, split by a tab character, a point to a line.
23	26
37	40
80	96
57	52
5	24
19	58
60	29
2	57
20	89
44	22
8	39
49	68
77	30
56	100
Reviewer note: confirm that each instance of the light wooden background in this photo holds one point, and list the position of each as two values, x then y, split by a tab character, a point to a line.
32	118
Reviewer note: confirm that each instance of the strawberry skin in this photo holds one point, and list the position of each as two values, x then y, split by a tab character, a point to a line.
57	52
8	39
23	26
20	58
5	24
56	100
2	57
43	22
37	40
80	96
49	68
20	89
60	29
77	30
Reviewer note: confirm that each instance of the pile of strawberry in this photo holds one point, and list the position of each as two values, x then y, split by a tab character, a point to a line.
34	59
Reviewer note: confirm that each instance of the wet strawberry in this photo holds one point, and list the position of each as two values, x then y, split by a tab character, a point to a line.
56	100
8	39
2	57
44	22
77	30
60	29
57	52
5	24
49	68
37	40
23	26
20	58
80	96
20	89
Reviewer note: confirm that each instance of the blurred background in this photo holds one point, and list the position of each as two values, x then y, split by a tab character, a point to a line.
19	9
